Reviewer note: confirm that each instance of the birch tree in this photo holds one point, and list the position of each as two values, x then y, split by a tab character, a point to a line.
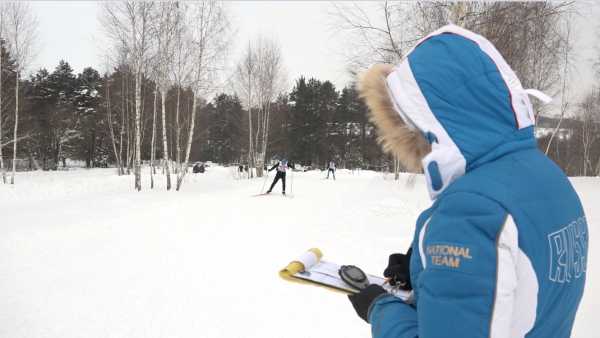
209	38
527	34
589	116
181	67
122	70
260	79
163	35
128	23
109	120
2	35
245	74
124	111
21	26
270	82
377	32
153	140
564	105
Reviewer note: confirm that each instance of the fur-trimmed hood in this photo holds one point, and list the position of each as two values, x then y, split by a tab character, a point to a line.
448	105
407	144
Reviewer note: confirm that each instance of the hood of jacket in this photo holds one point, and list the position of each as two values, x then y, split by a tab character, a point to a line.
450	104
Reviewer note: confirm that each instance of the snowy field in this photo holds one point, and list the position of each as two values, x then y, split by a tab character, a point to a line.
83	255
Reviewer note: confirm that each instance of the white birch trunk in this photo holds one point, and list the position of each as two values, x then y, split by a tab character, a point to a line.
1	156
188	147
265	135
138	107
110	126
152	170
122	167
127	127
163	96
258	156
563	100
178	133
14	164
250	141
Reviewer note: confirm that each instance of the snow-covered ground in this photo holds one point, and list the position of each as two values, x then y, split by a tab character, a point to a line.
84	255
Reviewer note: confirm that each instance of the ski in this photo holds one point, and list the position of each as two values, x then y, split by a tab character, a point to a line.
273	194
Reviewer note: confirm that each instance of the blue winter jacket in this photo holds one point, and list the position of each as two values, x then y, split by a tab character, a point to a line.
502	251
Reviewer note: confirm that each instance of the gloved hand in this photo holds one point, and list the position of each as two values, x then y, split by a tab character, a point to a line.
363	300
398	270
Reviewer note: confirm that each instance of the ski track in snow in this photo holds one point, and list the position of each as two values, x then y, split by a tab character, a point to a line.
84	255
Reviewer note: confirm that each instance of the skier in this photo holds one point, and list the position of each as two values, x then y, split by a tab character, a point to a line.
331	169
282	167
502	251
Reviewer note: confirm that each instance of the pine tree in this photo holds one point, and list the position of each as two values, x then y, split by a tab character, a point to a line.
92	128
313	104
64	122
280	127
39	101
327	105
224	129
6	105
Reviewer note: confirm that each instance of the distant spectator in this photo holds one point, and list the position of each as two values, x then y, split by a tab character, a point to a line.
198	168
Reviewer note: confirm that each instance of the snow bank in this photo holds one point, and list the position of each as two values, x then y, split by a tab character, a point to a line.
84	255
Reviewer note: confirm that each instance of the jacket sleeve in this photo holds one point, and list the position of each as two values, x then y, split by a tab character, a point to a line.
456	291
274	166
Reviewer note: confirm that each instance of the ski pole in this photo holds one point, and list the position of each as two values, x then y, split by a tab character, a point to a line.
264	182
292	183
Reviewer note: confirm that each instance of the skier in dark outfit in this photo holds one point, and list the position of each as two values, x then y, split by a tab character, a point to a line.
331	169
281	166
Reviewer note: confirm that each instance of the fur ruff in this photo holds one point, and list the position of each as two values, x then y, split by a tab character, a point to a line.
408	146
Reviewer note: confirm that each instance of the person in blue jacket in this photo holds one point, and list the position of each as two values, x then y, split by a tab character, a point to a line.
502	251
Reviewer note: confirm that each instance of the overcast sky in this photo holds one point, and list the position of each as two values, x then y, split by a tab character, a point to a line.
311	46
70	30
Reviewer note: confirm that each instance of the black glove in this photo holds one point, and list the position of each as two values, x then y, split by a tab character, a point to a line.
398	270
362	301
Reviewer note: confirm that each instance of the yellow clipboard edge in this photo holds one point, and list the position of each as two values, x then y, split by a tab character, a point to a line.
288	273
294	267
